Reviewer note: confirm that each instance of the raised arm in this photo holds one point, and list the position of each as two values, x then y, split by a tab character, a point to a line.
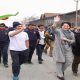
56	22
20	29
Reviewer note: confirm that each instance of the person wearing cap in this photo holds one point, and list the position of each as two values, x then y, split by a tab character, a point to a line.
19	48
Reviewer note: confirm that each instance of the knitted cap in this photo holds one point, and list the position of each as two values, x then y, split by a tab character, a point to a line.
15	24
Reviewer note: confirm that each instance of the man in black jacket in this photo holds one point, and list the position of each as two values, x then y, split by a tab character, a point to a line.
33	39
4	42
76	52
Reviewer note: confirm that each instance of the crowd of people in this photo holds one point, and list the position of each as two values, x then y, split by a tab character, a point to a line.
22	40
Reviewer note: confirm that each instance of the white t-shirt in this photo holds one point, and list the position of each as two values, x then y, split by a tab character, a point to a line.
17	42
41	37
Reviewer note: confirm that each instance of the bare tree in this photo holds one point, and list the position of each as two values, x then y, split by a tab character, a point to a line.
28	19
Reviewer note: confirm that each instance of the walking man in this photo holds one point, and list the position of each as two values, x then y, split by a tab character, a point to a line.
19	45
4	42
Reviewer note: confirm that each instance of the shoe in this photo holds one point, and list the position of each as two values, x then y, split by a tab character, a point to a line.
6	65
29	62
63	73
45	51
61	78
75	74
0	61
15	78
50	55
40	62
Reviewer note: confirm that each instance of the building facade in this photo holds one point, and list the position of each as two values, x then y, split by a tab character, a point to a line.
70	17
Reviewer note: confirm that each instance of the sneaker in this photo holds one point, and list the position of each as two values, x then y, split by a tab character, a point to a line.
15	78
6	65
61	78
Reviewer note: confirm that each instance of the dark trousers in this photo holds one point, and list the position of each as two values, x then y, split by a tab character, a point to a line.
75	64
39	51
0	56
4	53
18	58
31	51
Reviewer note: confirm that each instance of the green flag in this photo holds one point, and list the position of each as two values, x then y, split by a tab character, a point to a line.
6	16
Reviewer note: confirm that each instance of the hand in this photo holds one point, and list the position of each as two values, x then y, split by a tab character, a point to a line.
23	27
57	19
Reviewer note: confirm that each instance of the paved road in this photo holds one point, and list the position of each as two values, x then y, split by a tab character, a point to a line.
35	71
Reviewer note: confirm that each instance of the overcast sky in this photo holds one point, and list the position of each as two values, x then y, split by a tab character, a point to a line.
28	8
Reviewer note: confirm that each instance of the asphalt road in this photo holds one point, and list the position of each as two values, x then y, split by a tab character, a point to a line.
36	71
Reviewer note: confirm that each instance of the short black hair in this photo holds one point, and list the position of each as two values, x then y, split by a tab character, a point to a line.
30	24
66	23
3	25
40	25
